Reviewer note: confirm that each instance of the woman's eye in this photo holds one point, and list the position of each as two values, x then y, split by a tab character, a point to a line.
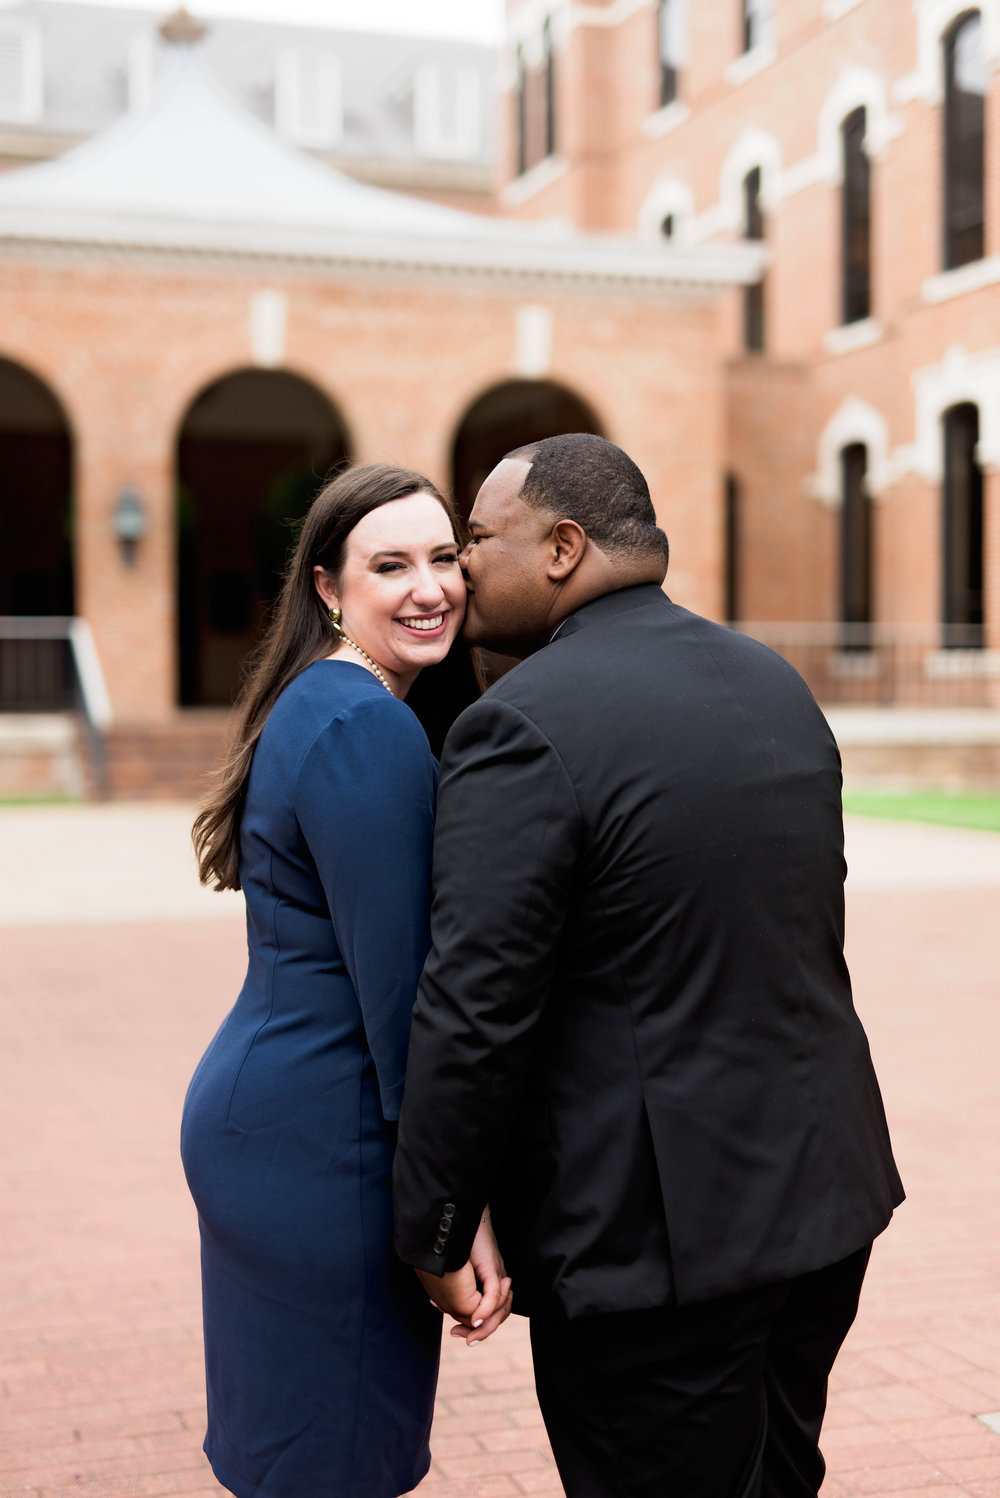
389	567
448	559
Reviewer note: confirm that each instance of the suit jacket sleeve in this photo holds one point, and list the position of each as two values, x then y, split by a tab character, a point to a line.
506	846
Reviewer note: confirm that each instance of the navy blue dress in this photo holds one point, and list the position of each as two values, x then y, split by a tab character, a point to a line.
321	1349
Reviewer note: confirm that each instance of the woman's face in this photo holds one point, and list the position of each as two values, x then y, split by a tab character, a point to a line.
400	592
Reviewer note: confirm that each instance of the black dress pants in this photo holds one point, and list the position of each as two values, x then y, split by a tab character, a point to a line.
723	1399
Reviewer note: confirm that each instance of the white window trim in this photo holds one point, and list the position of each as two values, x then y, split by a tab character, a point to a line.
288	96
672	195
140	71
431	139
961	280
834	9
534	180
31	106
926	82
853	335
959	377
666	119
753	148
749	64
853	421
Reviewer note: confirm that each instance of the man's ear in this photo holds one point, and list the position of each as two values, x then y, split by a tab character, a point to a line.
567	544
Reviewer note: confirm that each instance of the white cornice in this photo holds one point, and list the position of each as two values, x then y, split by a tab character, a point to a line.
567	262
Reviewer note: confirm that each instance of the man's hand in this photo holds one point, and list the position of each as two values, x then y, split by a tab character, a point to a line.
477	1296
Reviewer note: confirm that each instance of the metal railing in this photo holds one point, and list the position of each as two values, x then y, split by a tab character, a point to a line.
887	665
50	664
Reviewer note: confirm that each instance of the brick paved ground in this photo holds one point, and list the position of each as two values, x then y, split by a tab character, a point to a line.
101	1023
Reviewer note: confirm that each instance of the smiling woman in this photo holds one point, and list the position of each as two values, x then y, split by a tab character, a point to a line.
314	1331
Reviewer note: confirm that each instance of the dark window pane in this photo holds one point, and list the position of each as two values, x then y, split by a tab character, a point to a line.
667	227
550	91
522	114
855	221
964	127
753	296
752	24
963	529
666	25
855	545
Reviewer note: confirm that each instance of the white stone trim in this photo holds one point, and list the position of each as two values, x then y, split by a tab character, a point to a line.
853	335
959	377
668	194
533	181
965	278
436	134
532	341
606	16
834	9
933	18
268	320
749	64
853	421
753	147
666	119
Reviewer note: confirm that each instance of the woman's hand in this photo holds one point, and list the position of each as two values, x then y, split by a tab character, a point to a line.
477	1296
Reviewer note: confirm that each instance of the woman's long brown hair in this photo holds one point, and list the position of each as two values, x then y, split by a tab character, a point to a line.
298	634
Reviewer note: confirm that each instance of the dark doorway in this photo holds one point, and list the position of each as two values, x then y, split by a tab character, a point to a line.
253	451
963	530
36	497
510	416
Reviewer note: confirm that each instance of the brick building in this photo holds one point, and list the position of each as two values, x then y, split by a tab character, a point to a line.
859	142
197	320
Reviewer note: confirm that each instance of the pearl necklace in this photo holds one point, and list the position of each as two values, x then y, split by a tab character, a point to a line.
365	656
335	617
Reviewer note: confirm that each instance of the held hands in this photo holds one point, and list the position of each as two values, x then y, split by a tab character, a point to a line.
478	1295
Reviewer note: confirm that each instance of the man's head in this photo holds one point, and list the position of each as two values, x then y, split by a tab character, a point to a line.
556	524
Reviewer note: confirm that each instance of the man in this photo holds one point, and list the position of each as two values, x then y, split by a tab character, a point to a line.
634	1036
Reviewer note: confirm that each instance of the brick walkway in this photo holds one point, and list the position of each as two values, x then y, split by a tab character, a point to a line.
100	1371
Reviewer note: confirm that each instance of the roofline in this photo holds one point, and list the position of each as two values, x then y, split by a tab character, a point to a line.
581	260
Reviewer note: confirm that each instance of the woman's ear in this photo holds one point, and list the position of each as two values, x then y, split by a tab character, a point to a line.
326	587
567	544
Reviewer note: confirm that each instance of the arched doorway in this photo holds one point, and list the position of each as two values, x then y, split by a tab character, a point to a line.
36	497
509	416
252	452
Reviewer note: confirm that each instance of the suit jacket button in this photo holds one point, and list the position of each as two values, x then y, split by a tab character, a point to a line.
439	1247
444	1226
449	1209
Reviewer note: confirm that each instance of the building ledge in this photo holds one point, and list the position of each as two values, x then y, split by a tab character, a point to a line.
532	182
853	335
971	277
751	63
666	119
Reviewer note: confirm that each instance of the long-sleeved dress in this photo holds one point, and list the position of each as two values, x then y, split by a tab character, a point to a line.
321	1350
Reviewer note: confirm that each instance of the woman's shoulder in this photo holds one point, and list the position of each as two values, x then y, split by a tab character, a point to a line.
332	699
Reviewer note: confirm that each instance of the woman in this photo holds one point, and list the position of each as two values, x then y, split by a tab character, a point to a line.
321	1349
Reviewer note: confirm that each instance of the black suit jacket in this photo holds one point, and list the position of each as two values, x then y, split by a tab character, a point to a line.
634	1035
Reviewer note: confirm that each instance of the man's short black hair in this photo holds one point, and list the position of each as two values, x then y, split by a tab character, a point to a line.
589	480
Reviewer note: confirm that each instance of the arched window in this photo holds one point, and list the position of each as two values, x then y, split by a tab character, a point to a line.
855	274
666	24
964	131
731	552
962	604
753	295
855	546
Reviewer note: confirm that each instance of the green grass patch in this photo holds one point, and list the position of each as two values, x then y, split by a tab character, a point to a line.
978	809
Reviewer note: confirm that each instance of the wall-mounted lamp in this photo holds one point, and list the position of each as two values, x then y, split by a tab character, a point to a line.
129	523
